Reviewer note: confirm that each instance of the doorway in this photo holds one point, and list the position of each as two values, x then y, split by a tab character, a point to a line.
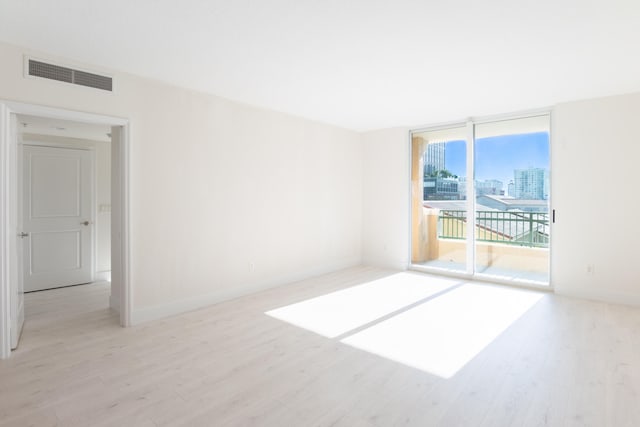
11	281
480	199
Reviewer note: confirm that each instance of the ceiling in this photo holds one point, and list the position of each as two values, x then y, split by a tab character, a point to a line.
360	64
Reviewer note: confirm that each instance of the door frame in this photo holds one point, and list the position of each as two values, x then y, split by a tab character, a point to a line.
470	123
9	210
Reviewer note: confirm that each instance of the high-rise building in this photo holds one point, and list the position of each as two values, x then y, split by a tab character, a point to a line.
489	186
530	183
434	158
441	189
462	187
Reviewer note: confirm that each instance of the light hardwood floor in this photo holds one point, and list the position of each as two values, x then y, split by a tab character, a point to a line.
564	362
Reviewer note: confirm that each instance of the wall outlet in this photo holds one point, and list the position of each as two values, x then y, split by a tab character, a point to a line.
591	268
252	266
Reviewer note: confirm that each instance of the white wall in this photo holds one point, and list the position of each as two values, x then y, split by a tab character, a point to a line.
386	198
226	199
595	154
103	208
595	150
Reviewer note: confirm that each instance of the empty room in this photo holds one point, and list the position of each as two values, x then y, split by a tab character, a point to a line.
304	213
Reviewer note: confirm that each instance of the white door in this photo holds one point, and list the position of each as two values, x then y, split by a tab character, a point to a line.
57	217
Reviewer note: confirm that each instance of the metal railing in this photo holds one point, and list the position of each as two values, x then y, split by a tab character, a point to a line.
512	228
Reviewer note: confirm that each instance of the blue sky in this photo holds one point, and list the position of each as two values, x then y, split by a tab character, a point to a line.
498	156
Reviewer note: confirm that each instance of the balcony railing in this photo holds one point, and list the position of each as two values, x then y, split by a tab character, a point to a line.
511	228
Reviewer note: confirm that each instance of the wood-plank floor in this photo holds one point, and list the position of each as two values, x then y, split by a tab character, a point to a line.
564	362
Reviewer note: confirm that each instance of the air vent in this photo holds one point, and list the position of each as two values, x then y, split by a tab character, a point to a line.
69	75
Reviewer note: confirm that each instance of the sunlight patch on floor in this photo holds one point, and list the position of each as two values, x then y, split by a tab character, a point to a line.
342	311
443	334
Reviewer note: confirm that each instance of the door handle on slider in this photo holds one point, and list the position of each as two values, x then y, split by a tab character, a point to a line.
22	234
85	222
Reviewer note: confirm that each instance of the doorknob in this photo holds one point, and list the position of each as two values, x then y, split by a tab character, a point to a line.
85	222
23	234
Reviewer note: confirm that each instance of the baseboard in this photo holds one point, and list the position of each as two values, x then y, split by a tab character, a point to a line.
147	314
102	276
602	296
386	262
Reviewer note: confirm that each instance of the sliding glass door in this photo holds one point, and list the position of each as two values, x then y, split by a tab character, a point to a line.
499	171
439	211
512	199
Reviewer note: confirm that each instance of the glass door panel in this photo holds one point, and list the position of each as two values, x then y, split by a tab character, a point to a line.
439	199
511	164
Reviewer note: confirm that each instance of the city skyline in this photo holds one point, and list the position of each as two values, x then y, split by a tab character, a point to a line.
497	157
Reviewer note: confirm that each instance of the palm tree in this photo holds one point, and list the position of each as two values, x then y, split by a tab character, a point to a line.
443	173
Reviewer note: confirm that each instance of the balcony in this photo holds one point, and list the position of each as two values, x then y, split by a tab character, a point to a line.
509	244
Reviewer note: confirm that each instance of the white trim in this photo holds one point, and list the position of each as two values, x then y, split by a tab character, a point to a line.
459	274
94	213
6	109
102	276
470	262
550	200
440	126
5	248
535	112
482	119
516	283
602	296
147	314
17	245
126	299
471	124
58	113
386	262
68	146
409	201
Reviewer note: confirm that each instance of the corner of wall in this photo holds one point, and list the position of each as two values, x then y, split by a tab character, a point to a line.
386	198
606	296
114	303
